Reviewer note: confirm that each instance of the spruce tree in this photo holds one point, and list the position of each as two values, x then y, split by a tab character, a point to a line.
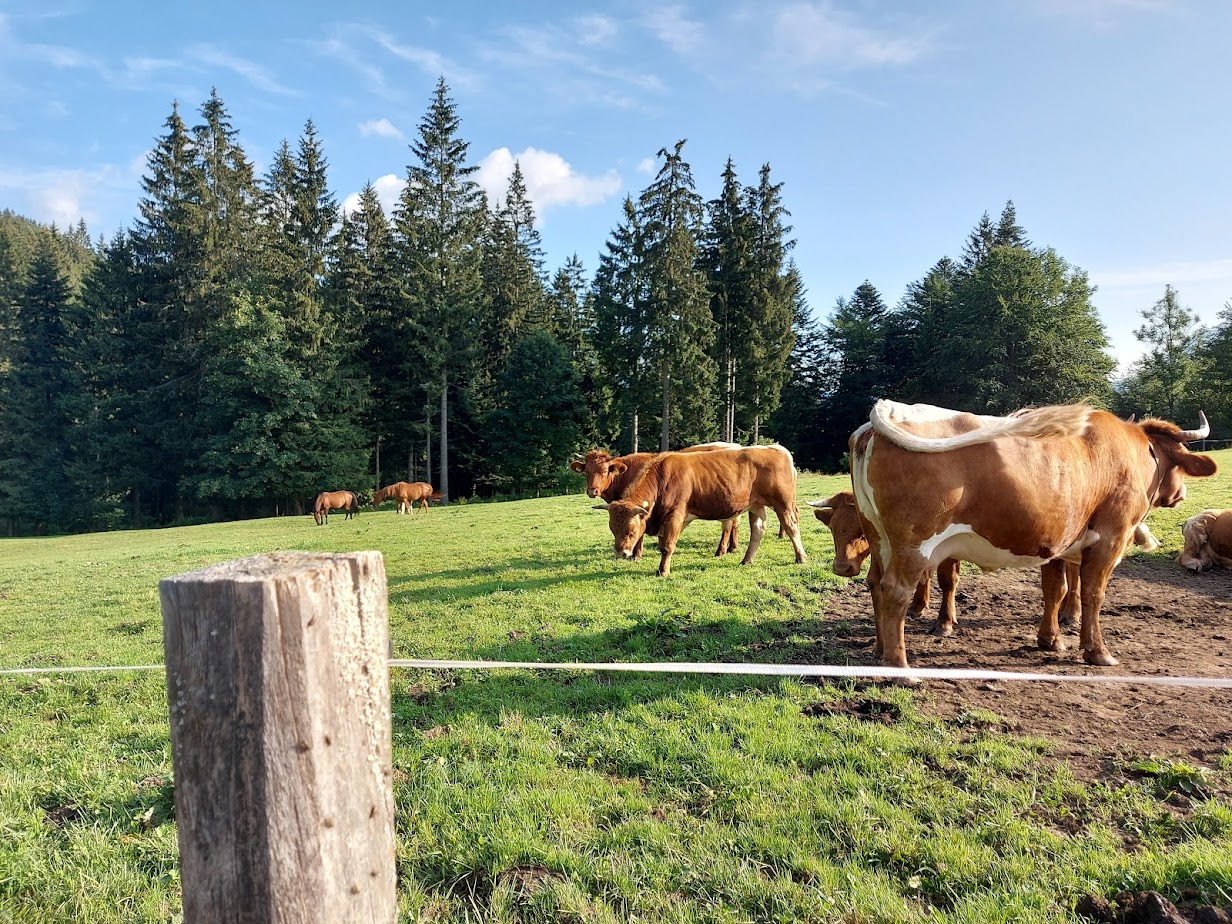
1161	382
439	221
622	327
727	250
681	329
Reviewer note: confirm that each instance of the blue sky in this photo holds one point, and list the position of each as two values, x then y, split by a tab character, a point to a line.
893	125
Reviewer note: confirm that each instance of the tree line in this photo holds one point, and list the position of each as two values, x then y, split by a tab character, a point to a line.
246	343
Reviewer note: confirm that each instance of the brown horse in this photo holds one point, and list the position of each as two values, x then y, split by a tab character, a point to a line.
406	494
334	500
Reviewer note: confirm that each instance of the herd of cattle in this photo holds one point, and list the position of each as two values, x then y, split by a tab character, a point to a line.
1064	488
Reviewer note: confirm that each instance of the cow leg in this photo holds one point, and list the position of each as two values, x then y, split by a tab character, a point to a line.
725	538
1097	564
919	602
874	590
668	534
1072	603
637	549
896	589
789	519
757	529
947	579
1054	581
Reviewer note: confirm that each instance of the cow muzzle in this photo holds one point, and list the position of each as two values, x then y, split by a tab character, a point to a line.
846	568
591	492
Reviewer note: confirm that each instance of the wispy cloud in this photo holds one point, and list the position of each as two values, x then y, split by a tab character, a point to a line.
382	128
673	27
818	34
341	49
431	62
550	180
258	76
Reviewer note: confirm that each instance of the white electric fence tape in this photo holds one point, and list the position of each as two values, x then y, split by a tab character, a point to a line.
774	670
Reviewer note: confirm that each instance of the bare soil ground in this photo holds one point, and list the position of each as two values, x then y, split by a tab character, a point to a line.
1157	619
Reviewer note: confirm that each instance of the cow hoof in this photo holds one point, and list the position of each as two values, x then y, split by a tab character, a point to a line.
1100	658
1067	622
942	630
1051	644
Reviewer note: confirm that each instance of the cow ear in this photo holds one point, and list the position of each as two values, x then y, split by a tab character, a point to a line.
824	514
643	512
1197	466
577	466
617	467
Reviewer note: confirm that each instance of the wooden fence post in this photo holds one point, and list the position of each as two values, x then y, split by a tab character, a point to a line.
278	685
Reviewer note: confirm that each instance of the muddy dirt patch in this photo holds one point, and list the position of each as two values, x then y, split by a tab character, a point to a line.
1157	620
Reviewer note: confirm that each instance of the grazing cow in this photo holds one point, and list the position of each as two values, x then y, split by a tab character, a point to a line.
839	513
676	488
334	500
1036	489
406	494
1208	540
609	476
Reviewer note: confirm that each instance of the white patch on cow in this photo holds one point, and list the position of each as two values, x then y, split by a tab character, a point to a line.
959	540
1085	541
927	413
863	490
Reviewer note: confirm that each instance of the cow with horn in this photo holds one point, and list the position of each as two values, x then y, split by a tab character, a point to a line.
1040	488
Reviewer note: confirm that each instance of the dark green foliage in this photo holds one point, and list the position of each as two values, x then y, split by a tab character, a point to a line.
1212	388
681	329
438	226
537	422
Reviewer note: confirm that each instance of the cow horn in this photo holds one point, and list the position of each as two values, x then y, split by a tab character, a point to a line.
820	504
1204	428
599	507
1131	418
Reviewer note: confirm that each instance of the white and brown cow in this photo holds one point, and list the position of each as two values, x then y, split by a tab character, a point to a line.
839	513
1036	489
1208	540
676	488
609	476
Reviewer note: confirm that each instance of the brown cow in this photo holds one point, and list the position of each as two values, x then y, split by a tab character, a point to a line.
1208	540
334	500
406	494
609	476
1036	489
676	488
839	513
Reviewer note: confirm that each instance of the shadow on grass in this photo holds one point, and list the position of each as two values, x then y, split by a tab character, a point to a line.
427	699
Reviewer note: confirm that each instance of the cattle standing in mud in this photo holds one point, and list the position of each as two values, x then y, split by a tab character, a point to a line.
609	476
334	500
1037	489
1208	540
839	513
676	488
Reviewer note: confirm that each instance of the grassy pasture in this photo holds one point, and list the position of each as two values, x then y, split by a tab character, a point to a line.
552	796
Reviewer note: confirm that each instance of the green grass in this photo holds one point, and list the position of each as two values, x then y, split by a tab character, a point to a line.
563	796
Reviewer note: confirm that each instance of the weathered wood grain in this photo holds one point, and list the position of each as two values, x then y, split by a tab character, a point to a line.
278	686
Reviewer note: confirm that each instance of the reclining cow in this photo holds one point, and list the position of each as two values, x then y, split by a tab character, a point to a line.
1208	540
676	488
1036	489
839	513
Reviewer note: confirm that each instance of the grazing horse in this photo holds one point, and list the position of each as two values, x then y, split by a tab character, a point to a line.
406	495
334	500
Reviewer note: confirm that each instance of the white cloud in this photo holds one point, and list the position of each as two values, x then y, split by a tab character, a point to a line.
382	128
674	28
388	188
646	165
259	77
61	195
432	63
550	180
596	30
816	33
